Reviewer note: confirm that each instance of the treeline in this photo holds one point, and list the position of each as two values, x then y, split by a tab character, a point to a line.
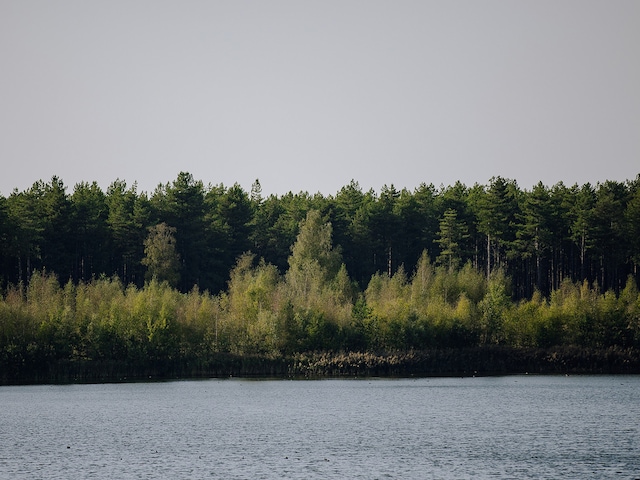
314	306
538	237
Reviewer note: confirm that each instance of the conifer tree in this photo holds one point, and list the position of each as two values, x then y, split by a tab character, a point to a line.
451	236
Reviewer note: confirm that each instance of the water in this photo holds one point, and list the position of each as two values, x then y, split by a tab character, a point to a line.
506	427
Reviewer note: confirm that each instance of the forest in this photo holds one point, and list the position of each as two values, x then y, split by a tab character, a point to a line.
191	272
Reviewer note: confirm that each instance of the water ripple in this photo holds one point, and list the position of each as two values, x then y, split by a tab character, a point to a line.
509	427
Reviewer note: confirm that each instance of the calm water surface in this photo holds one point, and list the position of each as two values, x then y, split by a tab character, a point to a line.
506	427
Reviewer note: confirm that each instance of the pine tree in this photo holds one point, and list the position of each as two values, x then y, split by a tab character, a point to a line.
535	231
451	237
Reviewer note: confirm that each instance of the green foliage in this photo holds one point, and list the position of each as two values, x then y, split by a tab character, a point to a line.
89	218
562	261
493	307
452	234
538	236
127	220
161	259
313	248
102	321
251	306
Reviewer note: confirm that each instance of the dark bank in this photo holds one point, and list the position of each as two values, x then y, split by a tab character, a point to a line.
479	361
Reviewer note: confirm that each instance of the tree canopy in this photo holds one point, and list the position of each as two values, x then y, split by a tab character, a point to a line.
538	237
194	270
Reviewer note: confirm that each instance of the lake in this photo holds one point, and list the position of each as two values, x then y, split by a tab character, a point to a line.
429	428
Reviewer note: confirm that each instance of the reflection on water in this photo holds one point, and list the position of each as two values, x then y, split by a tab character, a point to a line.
507	427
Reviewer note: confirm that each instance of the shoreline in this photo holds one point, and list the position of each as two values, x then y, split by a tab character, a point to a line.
465	362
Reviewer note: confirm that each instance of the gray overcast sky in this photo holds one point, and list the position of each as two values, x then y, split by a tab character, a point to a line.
307	95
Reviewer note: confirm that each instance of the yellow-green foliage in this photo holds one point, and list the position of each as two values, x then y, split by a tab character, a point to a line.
493	307
389	297
266	313
438	306
630	305
248	308
340	296
473	284
15	321
576	314
200	316
520	325
389	300
421	283
103	319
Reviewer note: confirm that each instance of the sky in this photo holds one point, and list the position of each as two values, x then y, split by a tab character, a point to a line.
309	95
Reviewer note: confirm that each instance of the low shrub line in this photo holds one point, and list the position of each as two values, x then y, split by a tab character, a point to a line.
476	361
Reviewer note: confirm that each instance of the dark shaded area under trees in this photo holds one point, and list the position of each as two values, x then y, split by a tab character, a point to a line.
162	283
